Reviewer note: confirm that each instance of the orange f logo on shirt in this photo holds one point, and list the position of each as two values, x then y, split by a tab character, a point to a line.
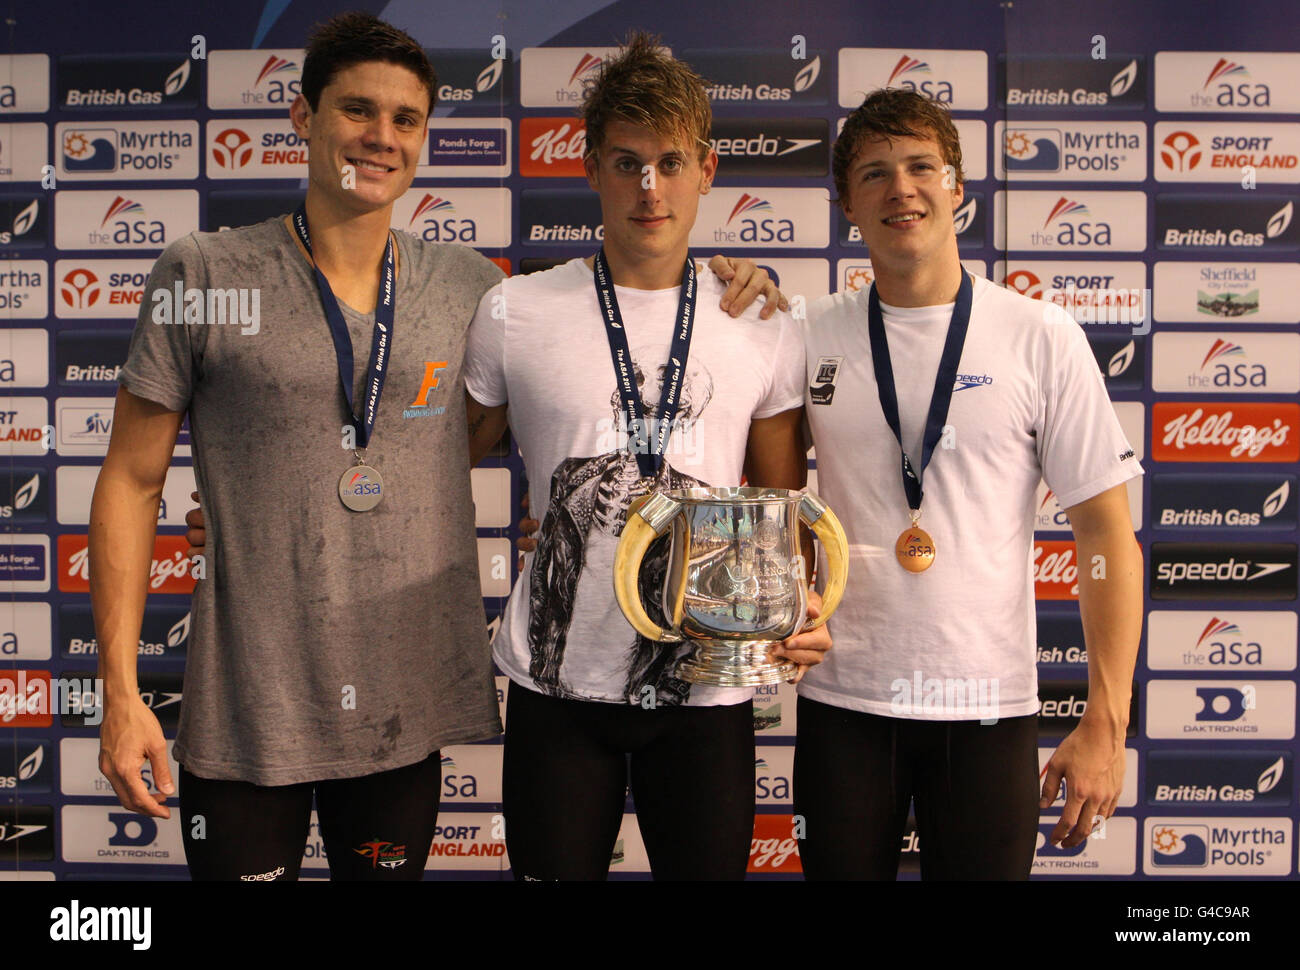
431	368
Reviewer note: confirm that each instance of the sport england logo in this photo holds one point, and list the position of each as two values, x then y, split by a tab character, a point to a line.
822	388
230	148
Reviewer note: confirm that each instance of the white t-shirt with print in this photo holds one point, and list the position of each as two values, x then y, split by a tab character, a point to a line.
957	641
538	342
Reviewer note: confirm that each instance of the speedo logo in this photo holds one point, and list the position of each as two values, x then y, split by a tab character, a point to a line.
1223	570
966	381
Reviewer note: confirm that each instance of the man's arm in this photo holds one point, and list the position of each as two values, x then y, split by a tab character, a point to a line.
776	456
1091	758
123	521
486	425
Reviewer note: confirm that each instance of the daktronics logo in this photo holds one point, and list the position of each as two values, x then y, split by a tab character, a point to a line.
552	147
1212	502
169	572
1259	432
230	148
1056	574
956	78
1223	570
1074	82
1256	778
1197	222
1226	709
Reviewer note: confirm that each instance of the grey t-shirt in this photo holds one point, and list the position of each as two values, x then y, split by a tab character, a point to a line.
326	643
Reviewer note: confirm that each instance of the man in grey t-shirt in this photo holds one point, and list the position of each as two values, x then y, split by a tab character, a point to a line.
335	650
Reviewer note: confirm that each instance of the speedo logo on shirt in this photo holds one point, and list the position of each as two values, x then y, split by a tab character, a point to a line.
965	382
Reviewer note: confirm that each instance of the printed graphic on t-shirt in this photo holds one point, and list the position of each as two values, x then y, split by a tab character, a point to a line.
589	498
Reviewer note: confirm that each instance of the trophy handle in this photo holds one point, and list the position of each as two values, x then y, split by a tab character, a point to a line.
815	514
647	519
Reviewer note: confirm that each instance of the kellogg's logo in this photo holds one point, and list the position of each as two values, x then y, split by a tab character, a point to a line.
552	147
1183	431
169	572
774	847
1056	573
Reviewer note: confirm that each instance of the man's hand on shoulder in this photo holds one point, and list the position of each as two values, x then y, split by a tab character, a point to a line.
748	281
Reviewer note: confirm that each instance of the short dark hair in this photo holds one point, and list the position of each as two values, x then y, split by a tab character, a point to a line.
894	113
355	38
644	86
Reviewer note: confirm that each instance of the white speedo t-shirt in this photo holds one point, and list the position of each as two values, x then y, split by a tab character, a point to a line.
538	342
1029	402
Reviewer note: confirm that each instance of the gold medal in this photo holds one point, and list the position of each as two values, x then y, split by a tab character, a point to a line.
915	548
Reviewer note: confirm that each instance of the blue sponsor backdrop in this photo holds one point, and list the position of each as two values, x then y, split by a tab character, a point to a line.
779	77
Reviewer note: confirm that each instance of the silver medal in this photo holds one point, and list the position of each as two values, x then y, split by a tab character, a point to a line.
361	488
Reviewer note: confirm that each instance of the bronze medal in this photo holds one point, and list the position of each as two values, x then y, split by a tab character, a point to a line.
915	549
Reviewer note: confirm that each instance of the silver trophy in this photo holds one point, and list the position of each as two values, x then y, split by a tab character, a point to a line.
736	578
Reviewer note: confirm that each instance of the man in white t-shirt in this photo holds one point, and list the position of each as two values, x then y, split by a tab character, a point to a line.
592	704
931	692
